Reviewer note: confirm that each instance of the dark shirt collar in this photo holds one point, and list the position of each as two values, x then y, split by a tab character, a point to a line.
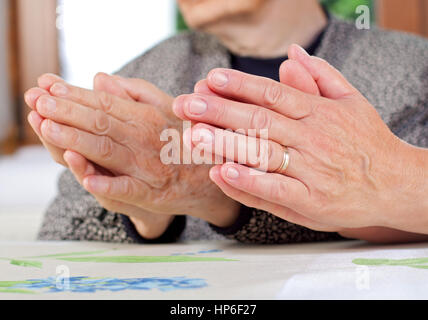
270	67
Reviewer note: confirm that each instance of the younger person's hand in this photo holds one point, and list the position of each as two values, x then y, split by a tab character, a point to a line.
347	168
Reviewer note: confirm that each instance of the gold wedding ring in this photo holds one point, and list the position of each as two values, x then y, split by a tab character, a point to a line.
285	162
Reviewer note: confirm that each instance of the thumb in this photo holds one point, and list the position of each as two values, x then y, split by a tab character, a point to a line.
106	83
145	92
331	83
78	165
293	74
203	88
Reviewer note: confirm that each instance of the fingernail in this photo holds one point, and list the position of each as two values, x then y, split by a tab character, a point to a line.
46	104
220	79
59	89
232	173
197	107
203	136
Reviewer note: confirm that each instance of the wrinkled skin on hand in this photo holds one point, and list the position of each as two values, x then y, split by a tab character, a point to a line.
123	136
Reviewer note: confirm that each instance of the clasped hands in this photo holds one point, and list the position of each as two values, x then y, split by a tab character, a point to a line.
346	167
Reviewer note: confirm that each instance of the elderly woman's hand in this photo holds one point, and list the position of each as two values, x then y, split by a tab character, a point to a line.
148	224
123	136
347	170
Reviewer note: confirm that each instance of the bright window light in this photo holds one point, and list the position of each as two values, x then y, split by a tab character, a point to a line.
103	35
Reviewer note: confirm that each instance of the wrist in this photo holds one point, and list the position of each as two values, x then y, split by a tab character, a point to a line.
153	228
420	190
224	215
409	205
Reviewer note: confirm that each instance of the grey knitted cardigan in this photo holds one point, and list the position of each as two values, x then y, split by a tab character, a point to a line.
389	68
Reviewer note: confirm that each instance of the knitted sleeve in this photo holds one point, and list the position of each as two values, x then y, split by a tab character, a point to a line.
76	215
258	226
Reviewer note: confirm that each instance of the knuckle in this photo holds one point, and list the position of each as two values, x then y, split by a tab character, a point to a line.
65	109
105	101
271	153
74	138
259	119
264	155
251	185
108	189
238	80
127	189
78	95
102	123
273	95
221	112
105	147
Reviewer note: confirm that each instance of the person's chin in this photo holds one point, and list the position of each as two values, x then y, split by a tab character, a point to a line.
209	12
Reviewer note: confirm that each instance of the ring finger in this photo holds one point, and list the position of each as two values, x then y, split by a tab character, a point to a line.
264	155
252	201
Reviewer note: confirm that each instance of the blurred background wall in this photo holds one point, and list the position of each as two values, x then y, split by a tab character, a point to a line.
109	33
5	98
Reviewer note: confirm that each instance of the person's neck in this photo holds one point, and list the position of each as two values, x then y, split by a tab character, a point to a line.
269	32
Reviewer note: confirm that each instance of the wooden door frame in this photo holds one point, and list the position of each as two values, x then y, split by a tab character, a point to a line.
409	15
10	143
37	53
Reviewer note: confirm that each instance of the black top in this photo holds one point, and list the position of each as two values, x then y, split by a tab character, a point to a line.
268	68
